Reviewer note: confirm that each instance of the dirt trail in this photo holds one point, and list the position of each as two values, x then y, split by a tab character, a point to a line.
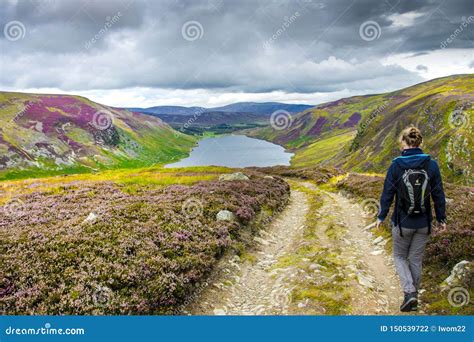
301	266
375	288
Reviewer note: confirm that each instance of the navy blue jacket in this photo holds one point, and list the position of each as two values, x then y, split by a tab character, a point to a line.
412	158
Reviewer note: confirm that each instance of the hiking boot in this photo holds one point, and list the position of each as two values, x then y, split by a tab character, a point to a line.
410	301
415	306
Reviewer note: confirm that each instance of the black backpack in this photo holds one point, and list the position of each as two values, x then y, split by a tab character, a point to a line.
415	190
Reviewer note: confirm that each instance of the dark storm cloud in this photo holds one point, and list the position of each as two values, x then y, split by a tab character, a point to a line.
62	26
249	46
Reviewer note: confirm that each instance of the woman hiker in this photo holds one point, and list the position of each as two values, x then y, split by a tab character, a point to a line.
412	178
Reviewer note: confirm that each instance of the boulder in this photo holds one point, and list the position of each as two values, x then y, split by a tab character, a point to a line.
91	218
377	240
461	275
365	281
233	176
269	177
225	215
261	241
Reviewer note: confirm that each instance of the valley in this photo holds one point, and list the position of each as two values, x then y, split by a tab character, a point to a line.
56	134
220	120
110	211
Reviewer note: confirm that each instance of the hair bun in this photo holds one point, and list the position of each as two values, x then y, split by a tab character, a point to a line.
412	136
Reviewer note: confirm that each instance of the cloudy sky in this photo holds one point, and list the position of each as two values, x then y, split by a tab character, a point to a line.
214	52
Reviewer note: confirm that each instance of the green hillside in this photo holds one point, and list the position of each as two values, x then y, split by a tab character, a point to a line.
49	134
360	133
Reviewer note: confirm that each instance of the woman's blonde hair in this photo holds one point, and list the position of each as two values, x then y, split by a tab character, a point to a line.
411	136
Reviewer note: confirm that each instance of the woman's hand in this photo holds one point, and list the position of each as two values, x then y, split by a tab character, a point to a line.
378	223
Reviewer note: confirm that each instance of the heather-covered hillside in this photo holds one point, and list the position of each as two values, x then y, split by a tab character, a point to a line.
47	134
124	242
360	133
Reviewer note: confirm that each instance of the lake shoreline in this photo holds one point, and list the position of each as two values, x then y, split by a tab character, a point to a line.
235	150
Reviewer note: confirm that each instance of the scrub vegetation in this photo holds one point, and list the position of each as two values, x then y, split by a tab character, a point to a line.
123	242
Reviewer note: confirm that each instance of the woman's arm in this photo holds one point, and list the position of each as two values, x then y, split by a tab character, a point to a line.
389	190
437	194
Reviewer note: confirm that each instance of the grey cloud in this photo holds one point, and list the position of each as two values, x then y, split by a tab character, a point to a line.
249	46
422	67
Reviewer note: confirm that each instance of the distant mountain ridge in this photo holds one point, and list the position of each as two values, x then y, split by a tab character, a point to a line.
168	110
261	108
225	119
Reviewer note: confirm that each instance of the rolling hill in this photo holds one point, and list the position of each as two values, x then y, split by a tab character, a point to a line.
264	108
50	134
361	133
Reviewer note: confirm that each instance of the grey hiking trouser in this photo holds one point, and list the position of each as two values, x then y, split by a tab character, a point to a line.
408	253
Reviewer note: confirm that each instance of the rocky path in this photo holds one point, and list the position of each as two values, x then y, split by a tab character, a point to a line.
370	274
317	257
